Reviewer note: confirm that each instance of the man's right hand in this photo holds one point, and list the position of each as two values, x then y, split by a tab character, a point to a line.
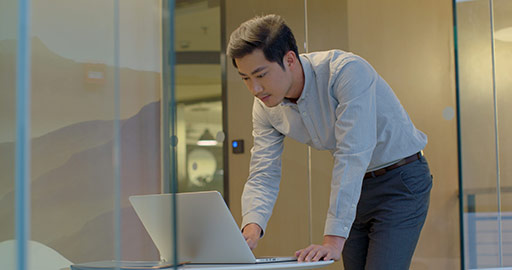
252	233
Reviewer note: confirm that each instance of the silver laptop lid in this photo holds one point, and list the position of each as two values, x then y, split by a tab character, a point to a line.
207	232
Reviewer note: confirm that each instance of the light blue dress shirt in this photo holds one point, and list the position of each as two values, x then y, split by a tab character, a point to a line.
346	108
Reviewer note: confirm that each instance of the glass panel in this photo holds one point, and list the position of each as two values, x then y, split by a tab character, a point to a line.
483	83
503	65
200	153
86	75
140	74
8	44
96	129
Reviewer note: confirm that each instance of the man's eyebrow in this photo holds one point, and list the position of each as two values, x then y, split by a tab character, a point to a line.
254	71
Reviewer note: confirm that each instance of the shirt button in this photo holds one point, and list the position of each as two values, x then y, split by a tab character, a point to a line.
353	206
345	228
304	113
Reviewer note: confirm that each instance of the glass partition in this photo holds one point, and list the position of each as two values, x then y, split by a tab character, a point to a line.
8	48
96	94
503	81
484	57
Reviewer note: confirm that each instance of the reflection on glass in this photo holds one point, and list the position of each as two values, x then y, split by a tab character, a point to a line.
204	157
198	94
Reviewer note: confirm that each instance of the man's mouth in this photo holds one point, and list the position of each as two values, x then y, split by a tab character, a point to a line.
264	98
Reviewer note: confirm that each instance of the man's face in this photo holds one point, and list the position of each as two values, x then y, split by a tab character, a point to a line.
265	80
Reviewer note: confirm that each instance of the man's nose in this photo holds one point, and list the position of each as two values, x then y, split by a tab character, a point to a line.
256	88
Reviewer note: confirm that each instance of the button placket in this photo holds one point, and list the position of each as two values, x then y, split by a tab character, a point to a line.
309	125
306	119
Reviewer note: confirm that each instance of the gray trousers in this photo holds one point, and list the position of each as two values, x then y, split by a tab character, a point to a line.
390	214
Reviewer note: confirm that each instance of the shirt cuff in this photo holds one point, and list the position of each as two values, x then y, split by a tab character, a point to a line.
338	227
257	219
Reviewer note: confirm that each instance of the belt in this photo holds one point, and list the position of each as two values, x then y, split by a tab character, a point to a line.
401	162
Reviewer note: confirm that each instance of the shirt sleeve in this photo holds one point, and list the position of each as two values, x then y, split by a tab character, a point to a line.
261	189
356	133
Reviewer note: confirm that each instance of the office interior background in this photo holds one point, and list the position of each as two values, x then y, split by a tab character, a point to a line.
137	97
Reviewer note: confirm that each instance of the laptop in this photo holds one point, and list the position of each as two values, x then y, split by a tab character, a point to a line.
207	232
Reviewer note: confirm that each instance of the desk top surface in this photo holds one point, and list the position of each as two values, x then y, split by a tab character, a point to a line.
280	265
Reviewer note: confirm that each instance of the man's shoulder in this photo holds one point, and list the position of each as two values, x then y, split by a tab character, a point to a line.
326	55
331	58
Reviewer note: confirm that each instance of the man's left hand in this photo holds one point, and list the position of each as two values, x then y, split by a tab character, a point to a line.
329	250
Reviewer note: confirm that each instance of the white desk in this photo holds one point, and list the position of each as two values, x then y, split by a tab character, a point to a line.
252	266
282	265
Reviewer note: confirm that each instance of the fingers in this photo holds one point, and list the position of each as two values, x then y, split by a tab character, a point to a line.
251	243
252	233
322	254
313	253
251	240
298	252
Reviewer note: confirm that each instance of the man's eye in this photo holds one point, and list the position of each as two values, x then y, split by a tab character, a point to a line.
261	75
245	78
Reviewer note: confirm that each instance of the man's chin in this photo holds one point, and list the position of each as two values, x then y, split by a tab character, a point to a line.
270	105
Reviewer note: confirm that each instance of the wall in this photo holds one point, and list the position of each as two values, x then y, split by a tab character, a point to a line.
328	29
290	213
411	45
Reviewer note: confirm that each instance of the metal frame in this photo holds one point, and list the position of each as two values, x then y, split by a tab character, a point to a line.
459	141
168	114
224	85
22	167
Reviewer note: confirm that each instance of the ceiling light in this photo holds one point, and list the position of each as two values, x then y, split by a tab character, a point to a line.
206	139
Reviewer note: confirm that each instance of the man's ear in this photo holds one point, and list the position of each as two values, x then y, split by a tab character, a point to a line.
290	58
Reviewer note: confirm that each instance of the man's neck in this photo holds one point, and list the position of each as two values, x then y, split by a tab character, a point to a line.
297	85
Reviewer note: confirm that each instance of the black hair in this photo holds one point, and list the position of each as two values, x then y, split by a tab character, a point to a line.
268	33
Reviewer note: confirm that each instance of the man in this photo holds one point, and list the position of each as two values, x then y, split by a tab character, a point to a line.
333	101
